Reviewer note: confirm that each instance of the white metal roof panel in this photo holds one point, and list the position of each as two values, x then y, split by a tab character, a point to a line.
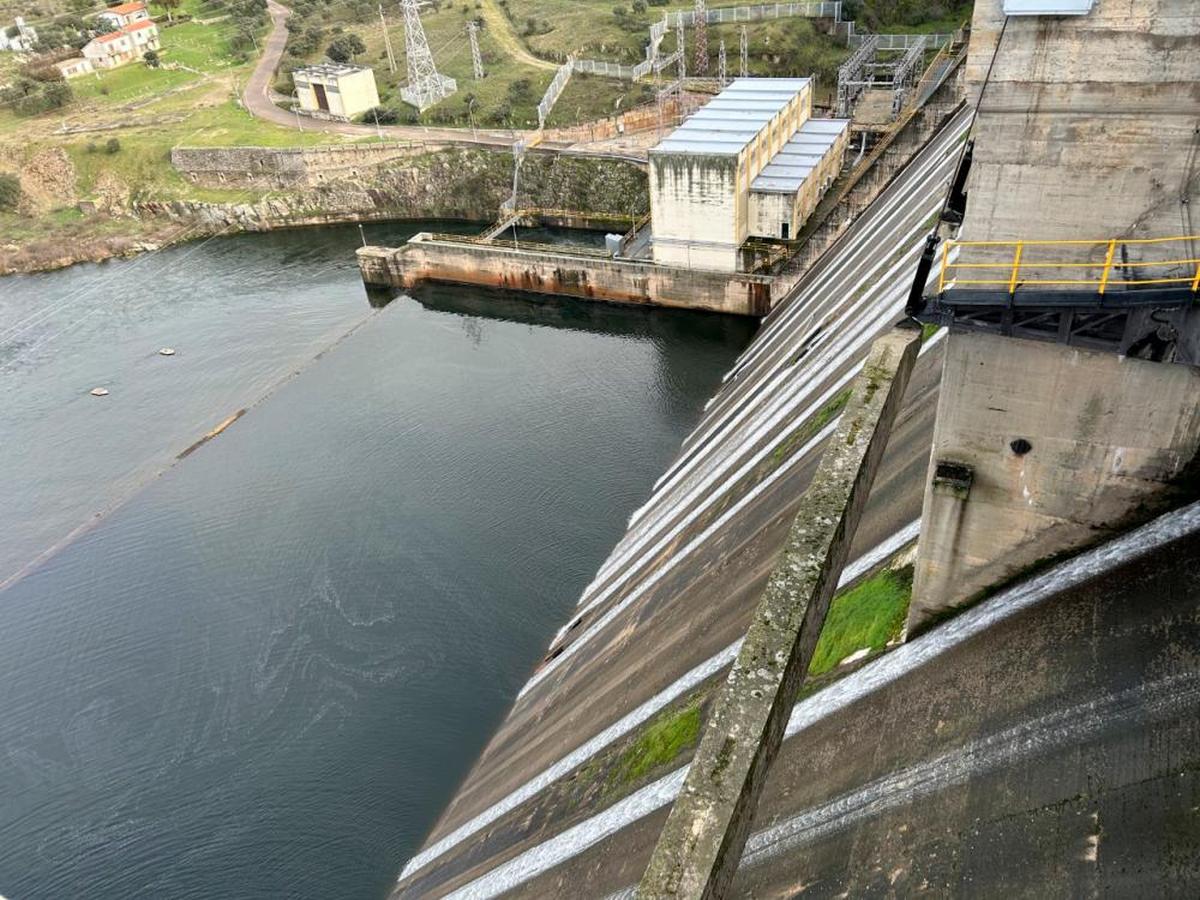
789	168
732	119
1048	7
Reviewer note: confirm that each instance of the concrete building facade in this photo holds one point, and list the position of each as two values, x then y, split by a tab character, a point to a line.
128	43
335	90
124	14
750	163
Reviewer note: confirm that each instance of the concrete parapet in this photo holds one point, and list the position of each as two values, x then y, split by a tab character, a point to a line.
541	271
1039	450
701	844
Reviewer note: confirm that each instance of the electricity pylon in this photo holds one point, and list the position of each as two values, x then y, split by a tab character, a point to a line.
425	86
476	59
700	23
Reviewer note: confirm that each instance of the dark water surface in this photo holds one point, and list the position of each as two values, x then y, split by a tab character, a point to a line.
263	673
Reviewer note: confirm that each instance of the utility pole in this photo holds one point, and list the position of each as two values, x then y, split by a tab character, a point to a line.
476	59
700	24
387	41
722	73
425	85
745	53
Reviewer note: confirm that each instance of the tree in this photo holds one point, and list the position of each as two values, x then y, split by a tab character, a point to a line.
112	145
10	191
30	97
151	58
169	6
345	48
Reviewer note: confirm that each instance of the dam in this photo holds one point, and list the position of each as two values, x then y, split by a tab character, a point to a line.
1033	733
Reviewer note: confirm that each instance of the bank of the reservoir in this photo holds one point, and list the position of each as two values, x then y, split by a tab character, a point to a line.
237	189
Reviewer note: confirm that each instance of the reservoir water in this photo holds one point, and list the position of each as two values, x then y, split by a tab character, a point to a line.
260	668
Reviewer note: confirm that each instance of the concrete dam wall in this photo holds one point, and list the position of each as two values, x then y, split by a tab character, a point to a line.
660	623
875	788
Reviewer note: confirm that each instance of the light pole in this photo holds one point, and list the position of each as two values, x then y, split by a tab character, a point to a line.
296	108
471	116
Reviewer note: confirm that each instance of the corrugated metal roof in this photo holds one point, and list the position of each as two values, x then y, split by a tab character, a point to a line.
731	120
796	159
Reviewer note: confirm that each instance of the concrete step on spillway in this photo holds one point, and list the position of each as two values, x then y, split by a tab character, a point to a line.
663	611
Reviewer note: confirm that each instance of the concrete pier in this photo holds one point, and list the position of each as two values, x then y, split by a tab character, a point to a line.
568	272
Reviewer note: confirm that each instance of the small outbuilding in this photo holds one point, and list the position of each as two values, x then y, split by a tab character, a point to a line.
750	163
335	90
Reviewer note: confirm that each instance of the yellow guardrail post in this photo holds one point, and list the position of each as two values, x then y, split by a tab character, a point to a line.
1196	280
1108	260
1016	268
945	260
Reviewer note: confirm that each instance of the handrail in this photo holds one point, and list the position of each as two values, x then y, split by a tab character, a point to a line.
1110	272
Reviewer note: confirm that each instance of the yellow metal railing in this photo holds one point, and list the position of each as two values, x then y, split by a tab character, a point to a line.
1025	268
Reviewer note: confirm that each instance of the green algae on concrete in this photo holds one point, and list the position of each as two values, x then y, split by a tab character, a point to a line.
699	847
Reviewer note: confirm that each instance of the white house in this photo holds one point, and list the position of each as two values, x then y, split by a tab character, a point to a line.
128	43
74	67
125	14
23	39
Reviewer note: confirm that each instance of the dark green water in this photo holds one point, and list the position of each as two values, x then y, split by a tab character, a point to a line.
263	672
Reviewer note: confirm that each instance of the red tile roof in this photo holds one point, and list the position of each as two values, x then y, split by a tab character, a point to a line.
111	36
138	26
126	8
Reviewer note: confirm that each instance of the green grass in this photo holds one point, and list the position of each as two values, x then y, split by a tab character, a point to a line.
590	97
658	744
928	330
868	615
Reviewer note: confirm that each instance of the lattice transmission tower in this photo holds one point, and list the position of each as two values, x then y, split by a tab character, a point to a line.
700	24
476	59
722	72
682	49
425	86
745	53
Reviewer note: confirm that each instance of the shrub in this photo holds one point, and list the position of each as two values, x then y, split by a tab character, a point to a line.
151	58
345	48
10	191
112	145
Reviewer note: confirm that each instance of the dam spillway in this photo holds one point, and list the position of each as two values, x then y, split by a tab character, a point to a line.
661	618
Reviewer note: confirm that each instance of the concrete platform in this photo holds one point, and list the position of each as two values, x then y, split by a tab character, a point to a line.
569	272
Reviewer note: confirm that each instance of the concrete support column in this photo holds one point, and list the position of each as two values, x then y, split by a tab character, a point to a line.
1040	450
699	848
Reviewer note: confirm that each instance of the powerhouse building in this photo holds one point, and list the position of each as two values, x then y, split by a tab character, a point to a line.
751	163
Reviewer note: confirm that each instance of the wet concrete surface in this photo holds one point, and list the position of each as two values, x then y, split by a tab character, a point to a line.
1056	754
648	620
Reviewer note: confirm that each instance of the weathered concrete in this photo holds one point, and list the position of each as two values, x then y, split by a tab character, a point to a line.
1087	128
1108	441
562	272
699	848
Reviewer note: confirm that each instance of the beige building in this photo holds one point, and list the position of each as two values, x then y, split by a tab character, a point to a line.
335	90
74	67
125	14
750	163
128	43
